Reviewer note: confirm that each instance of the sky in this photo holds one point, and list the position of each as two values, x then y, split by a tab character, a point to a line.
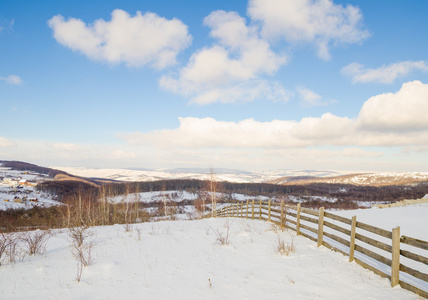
251	85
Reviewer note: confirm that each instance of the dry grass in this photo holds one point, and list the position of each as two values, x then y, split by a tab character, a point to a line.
223	238
282	247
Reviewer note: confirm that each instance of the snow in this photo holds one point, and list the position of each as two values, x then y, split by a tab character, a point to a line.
412	219
183	260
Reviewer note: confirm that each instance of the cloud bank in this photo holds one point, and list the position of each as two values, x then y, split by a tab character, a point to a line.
390	119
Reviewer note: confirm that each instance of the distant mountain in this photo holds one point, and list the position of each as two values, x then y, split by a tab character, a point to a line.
364	179
207	171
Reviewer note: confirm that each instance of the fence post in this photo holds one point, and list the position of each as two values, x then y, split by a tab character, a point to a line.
352	241
395	265
298	219
253	211
282	214
320	226
237	214
242	214
246	216
260	209
269	211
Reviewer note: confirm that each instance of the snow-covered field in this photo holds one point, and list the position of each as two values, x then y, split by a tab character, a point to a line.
183	260
412	219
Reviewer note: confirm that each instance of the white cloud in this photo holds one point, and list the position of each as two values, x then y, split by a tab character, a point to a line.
12	79
383	74
229	70
5	143
319	21
308	97
328	129
145	39
402	111
122	155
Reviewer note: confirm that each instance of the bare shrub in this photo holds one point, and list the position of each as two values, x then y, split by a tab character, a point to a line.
81	248
12	251
139	230
127	227
8	247
35	242
223	238
285	248
4	244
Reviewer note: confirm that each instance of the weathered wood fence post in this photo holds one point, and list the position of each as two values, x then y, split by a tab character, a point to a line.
269	210
320	226
352	241
252	217
298	219
246	216
282	214
395	265
260	209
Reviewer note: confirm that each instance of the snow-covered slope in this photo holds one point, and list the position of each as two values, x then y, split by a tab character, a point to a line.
181	260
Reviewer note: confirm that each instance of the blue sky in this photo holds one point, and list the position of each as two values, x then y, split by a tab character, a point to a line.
254	85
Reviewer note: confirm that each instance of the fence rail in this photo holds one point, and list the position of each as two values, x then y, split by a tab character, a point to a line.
367	244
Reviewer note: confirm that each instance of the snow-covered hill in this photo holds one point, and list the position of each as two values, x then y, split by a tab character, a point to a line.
271	176
372	179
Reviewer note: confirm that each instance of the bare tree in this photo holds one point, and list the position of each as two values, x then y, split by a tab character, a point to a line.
213	187
164	199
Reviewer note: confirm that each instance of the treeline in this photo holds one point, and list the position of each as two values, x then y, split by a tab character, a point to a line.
342	192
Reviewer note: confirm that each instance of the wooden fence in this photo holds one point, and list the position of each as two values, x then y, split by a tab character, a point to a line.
374	248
